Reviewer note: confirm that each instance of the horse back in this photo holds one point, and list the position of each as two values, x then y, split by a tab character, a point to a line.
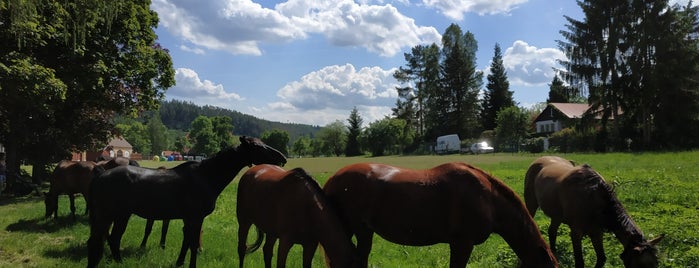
72	177
281	202
415	207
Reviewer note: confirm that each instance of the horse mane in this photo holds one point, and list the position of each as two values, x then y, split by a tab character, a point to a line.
312	185
615	217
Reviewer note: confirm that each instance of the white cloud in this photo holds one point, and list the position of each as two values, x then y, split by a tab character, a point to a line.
329	94
455	9
240	26
530	66
191	88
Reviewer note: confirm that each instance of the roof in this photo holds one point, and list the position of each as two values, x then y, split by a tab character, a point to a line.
120	143
571	110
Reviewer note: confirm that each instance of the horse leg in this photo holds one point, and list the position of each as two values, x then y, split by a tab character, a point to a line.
115	237
87	205
553	233
309	249
95	244
364	242
597	244
243	228
163	233
576	240
283	251
268	249
190	240
146	233
459	253
72	205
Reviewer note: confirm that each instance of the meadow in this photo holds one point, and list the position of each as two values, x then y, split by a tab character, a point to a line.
659	190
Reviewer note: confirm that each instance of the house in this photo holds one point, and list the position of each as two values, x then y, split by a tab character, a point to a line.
118	146
557	116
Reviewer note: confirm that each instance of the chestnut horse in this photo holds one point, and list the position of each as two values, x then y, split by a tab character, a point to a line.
453	203
289	206
69	177
187	191
579	197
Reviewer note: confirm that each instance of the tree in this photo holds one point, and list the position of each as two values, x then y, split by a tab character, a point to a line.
497	95
557	91
354	130
302	146
454	106
202	134
277	139
512	127
334	138
137	135
223	130
387	136
158	135
66	68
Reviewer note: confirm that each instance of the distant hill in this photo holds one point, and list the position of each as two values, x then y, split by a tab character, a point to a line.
177	114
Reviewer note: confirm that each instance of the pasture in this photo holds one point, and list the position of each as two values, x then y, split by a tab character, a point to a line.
659	190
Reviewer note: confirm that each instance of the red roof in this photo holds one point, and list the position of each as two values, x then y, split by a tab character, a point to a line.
571	110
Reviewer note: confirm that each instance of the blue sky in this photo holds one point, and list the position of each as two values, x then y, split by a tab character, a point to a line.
312	61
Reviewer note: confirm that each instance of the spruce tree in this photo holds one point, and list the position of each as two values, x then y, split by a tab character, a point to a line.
497	94
355	129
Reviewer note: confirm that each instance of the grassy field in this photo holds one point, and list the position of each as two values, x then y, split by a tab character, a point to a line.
659	190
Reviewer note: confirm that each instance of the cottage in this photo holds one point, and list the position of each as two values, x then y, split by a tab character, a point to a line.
557	116
116	147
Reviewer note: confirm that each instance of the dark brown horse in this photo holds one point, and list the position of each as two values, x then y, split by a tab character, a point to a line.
453	203
289	206
69	177
579	197
187	191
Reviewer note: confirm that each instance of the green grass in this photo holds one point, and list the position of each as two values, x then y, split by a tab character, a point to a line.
659	190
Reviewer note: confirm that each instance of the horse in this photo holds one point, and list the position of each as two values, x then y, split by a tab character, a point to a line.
579	197
289	206
123	161
69	177
453	203
187	191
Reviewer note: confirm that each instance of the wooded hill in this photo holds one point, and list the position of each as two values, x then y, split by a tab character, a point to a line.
177	114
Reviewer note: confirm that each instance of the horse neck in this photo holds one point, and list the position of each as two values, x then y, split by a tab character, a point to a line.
620	223
335	240
518	229
221	169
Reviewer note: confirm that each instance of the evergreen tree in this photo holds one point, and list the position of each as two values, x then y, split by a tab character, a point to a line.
455	103
497	94
355	130
557	91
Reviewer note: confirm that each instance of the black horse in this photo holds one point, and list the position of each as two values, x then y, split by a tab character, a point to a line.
187	191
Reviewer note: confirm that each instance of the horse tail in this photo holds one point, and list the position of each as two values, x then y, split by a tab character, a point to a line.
258	241
529	190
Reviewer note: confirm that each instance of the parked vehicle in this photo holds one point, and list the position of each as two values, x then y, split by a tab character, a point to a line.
481	148
448	144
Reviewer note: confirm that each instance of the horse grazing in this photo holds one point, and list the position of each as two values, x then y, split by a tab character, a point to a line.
187	191
453	203
69	177
289	206
579	197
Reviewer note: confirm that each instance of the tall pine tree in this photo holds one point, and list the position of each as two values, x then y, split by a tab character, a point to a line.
355	129
497	94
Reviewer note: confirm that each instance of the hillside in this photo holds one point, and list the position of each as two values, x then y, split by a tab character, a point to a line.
178	115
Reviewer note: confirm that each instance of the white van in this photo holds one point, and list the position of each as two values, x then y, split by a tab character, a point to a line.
448	144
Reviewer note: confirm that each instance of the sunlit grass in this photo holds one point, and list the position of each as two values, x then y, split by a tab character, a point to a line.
659	190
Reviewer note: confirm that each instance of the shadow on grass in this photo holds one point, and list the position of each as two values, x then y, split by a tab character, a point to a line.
78	252
50	225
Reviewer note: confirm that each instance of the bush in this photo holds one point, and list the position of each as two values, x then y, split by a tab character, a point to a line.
534	145
569	140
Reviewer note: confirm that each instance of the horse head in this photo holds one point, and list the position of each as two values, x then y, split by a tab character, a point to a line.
642	255
258	152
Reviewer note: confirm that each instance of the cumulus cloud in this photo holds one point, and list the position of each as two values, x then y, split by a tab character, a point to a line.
240	26
530	66
455	9
190	87
330	94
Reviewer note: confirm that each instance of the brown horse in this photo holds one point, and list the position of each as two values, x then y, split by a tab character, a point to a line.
453	203
290	206
579	197
69	177
187	191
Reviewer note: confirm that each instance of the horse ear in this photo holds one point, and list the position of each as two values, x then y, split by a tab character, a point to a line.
656	240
